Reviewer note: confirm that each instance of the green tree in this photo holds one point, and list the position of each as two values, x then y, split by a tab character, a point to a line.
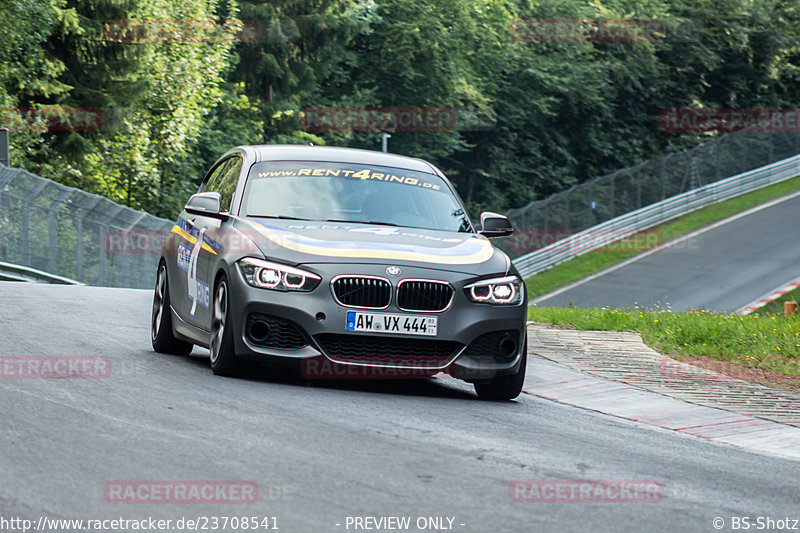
551	114
27	73
156	69
300	47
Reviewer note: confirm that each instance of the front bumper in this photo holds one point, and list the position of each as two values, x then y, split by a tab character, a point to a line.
475	342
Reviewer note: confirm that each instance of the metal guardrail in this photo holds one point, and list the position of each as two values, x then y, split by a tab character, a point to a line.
11	272
601	199
626	225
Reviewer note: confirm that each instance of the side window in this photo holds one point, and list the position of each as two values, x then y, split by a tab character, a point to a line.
223	180
228	181
213	177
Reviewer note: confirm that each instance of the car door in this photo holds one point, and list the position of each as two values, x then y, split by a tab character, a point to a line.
189	288
200	274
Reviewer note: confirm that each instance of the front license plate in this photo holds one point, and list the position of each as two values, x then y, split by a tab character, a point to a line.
385	323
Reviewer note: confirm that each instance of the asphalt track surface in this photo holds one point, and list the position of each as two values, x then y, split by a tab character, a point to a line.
722	269
322	452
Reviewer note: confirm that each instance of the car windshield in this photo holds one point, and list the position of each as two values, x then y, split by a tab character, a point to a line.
348	192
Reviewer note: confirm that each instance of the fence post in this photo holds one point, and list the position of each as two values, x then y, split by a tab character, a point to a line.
770	148
4	157
3	188
639	187
127	260
744	153
101	240
52	229
79	225
611	213
545	217
25	241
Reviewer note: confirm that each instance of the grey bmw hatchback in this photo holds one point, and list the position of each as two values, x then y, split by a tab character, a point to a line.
335	257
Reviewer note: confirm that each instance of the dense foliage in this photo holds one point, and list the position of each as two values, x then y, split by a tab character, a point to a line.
177	83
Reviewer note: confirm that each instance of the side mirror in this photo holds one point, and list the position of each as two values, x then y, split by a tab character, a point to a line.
494	225
205	204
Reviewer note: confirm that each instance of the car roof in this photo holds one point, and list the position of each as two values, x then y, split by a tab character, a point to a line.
297	152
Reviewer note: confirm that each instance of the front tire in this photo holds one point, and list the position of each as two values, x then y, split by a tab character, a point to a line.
161	334
505	387
223	359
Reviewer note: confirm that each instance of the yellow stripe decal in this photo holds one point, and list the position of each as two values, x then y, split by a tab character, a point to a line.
470	251
189	237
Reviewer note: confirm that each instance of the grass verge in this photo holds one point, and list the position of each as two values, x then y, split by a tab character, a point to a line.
775	307
593	262
769	344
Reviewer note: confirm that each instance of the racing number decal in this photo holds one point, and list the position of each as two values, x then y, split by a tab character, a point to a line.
198	291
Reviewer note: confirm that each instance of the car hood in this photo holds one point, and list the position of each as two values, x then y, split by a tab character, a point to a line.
307	242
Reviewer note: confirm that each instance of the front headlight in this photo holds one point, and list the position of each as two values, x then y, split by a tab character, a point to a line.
277	277
500	291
